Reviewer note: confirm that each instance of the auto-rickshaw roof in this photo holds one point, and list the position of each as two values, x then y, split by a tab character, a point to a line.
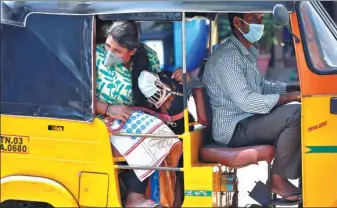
16	12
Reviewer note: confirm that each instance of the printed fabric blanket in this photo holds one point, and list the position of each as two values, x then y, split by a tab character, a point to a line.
151	152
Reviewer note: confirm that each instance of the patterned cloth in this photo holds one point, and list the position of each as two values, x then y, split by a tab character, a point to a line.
143	151
114	86
151	152
236	88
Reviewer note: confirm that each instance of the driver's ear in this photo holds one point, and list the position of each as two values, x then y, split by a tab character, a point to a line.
236	22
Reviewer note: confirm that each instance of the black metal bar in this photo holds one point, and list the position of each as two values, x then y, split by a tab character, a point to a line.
269	194
333	105
300	186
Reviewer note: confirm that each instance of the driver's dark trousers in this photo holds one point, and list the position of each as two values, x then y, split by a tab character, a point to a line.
281	128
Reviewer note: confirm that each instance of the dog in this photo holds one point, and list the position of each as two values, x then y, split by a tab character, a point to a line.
174	105
166	94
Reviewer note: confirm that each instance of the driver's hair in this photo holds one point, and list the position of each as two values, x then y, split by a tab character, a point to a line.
231	18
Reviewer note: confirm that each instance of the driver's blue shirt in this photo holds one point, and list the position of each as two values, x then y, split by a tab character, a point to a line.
236	88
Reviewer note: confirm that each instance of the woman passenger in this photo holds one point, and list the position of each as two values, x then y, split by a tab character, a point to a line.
119	62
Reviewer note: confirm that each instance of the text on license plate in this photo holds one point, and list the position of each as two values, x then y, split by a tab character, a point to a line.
14	144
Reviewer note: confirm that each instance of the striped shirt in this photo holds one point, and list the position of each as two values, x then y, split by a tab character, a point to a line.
236	88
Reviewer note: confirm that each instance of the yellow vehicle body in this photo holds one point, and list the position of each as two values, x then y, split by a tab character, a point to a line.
319	155
74	167
64	163
69	163
319	131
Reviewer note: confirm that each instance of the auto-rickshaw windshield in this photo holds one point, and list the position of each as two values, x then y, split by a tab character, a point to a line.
319	36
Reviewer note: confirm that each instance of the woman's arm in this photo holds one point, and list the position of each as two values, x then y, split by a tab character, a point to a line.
120	112
101	107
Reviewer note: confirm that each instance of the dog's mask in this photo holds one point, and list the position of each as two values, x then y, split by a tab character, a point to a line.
162	91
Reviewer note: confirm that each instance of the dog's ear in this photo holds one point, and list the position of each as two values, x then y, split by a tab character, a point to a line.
165	77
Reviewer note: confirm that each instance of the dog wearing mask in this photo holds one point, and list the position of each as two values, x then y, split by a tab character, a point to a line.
166	94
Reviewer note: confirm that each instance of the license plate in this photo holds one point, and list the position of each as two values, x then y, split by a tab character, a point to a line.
14	144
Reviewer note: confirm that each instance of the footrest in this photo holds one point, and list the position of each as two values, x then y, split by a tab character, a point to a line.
260	195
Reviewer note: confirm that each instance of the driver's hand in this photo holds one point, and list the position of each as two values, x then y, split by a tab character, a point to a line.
119	112
178	75
294	96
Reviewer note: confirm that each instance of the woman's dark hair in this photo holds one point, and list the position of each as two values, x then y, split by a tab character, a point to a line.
126	34
101	30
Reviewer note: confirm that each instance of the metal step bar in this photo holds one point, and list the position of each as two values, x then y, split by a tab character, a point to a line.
127	167
148	135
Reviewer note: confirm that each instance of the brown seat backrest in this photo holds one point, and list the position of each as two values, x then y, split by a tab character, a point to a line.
203	106
204	109
202	102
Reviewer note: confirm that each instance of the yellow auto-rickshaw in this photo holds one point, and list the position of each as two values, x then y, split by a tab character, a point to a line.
56	153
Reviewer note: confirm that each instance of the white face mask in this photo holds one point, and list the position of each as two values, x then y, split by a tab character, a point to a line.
255	32
152	88
111	59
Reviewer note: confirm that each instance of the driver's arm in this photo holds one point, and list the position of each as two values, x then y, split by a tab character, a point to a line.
269	87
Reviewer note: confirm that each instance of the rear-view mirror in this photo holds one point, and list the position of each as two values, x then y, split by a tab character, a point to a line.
280	15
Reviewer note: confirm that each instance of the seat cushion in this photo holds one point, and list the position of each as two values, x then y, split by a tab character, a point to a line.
237	157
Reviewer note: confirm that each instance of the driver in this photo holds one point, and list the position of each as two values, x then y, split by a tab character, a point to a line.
249	110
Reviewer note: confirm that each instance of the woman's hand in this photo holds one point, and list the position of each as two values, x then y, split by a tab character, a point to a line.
178	75
120	112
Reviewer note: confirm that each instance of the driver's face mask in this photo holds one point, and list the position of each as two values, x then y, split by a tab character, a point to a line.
153	89
255	32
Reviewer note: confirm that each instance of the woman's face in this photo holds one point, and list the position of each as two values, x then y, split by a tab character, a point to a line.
124	53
